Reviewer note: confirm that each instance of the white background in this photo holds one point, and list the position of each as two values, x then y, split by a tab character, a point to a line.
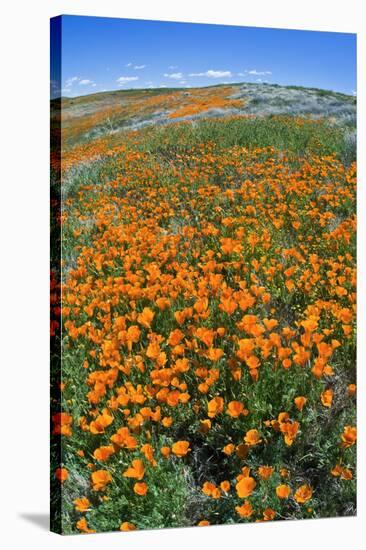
24	89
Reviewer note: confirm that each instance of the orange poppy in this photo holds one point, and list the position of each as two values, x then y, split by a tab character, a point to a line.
61	474
245	487
82	525
82	504
265	472
136	471
300	402
140	488
146	317
100	479
349	436
180	448
303	494
245	510
283	491
252	438
235	409
327	398
215	406
127	526
103	453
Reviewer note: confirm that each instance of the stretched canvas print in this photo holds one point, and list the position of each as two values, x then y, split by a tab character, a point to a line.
203	275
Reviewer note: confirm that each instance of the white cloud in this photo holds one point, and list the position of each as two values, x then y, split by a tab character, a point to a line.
174	76
138	67
70	81
173	67
85	82
123	79
182	82
213	74
258	73
128	65
162	86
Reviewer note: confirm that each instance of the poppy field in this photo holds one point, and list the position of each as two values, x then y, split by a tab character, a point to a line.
203	312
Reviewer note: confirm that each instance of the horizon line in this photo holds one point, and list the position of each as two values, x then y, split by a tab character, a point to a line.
185	88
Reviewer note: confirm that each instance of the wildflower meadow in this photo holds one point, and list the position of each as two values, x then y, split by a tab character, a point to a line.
203	311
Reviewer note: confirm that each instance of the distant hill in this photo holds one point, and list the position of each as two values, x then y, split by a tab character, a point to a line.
91	116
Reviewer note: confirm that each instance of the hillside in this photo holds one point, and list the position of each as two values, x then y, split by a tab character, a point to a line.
208	240
92	116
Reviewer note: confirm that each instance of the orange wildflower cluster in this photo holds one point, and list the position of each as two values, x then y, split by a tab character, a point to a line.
199	101
104	115
208	304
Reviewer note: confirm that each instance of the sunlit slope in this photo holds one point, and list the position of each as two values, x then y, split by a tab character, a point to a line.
97	115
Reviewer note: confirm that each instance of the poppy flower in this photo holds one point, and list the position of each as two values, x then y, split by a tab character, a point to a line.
303	494
209	488
140	488
165	451
283	491
225	486
245	510
205	426
327	398
148	452
62	424
103	453
265	472
349	436
180	448
214	354
252	438
339	471
300	402
102	421
61	474
124	439
245	487
82	504
229	449
215	406
100	479
146	317
289	430
82	525
127	526
235	409
132	336
167	421
136	471
269	514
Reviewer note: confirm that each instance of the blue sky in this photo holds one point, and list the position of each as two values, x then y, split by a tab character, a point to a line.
100	54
